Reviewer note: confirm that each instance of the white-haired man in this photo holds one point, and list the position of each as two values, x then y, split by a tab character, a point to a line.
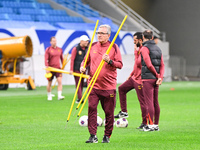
104	89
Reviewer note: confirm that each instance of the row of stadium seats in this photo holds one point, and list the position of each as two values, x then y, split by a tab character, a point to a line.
41	18
30	11
79	7
11	4
33	13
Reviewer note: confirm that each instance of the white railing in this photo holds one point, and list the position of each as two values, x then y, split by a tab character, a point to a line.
135	16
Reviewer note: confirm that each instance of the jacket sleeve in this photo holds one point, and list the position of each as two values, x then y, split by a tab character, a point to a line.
117	61
162	68
61	57
46	57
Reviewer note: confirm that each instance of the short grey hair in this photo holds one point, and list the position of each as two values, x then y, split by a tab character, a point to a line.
106	26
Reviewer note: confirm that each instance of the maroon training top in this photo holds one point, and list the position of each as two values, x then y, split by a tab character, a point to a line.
53	56
108	75
136	73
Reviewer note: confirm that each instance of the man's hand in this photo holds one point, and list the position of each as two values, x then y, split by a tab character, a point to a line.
70	72
82	70
159	81
47	71
128	77
106	58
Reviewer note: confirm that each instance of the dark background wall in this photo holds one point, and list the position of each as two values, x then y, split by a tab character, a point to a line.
180	19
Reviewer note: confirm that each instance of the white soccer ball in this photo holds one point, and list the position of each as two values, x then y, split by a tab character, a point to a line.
83	121
122	123
104	122
99	121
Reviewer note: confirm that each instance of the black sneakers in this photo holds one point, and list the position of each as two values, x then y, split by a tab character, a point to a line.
78	100
92	139
147	128
105	139
121	114
156	128
141	126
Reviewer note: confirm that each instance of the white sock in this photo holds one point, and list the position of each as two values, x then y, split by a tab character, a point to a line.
59	93
49	94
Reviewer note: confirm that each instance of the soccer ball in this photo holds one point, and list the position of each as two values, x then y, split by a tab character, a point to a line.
104	122
122	123
83	121
99	121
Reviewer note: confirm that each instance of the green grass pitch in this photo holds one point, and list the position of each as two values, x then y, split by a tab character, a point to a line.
29	121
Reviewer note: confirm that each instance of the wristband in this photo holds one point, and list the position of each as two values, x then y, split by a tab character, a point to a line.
110	62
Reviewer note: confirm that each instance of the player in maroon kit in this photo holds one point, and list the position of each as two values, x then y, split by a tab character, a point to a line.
104	89
152	76
77	56
53	56
134	81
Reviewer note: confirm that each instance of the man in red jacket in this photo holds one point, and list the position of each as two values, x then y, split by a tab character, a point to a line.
53	56
152	76
104	89
134	81
77	56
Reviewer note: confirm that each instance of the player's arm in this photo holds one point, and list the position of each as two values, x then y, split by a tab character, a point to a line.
147	60
61	56
162	70
46	59
73	56
117	61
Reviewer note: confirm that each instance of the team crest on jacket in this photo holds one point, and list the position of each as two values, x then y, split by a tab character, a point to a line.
80	52
111	95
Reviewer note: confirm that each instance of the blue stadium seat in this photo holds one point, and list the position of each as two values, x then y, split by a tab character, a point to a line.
20	17
4	17
20	0
70	7
56	12
43	6
77	19
6	10
28	11
10	4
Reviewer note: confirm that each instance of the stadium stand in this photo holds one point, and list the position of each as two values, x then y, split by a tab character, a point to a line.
32	13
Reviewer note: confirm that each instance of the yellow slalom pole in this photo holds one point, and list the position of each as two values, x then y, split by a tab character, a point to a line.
87	55
107	52
64	64
66	72
65	61
101	65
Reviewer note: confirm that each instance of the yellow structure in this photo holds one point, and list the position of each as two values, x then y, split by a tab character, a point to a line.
14	50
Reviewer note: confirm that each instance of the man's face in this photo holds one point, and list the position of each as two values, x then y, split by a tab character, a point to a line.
84	43
102	35
53	42
136	41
